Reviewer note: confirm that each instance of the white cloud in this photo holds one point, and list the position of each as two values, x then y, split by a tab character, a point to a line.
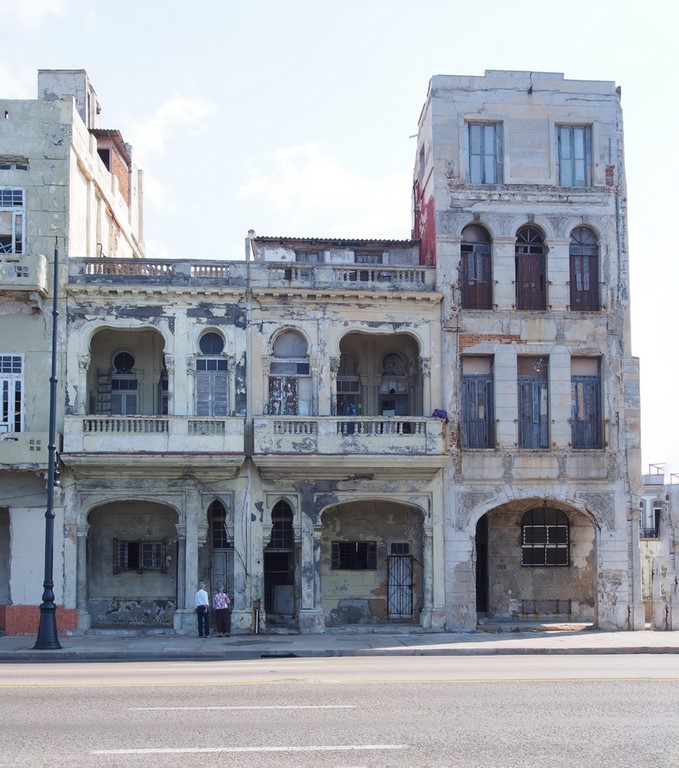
310	194
31	13
150	136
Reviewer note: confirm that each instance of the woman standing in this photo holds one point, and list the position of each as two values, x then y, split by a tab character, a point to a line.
220	603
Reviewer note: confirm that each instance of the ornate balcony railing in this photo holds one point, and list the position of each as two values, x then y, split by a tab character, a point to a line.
407	435
155	434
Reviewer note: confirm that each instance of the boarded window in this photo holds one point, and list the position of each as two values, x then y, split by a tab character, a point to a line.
477	403
584	270
212	379
586	411
475	269
354	556
289	380
485	153
533	402
575	155
531	278
545	538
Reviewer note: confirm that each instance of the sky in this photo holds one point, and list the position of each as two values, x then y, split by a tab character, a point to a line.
298	118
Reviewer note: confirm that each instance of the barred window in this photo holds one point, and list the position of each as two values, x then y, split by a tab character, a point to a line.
545	538
11	393
139	555
354	556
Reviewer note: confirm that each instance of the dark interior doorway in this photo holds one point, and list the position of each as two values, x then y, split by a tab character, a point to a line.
482	565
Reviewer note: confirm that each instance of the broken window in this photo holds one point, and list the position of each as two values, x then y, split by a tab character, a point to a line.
139	555
586	412
475	276
124	386
575	155
478	423
531	279
367	257
290	376
11	221
348	387
533	402
485	153
212	381
545	538
354	556
584	270
11	393
308	257
393	389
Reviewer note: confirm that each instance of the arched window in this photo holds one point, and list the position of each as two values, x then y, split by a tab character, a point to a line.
531	276
282	534
212	379
217	518
124	387
475	268
290	376
545	538
584	270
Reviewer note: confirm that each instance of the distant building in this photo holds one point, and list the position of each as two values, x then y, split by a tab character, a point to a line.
441	431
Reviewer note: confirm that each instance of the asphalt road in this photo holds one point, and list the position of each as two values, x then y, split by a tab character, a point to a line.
495	712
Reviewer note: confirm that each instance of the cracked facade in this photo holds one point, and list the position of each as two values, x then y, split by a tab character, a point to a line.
442	431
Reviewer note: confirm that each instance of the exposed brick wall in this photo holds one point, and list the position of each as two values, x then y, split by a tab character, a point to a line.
471	339
24	619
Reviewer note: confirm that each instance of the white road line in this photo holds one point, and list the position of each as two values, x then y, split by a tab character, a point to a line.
204	750
291	706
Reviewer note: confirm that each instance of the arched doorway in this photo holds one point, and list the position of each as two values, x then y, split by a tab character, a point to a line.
279	567
536	559
371	563
132	565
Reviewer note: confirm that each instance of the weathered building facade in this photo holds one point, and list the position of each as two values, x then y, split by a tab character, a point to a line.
520	204
437	431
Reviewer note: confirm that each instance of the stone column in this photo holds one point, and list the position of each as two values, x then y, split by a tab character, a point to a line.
424	364
334	370
170	367
427	578
84	362
84	618
311	618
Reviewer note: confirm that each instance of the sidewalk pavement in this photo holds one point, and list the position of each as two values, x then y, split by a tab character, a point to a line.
129	646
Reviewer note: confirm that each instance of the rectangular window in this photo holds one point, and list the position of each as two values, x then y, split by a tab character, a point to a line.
533	402
11	393
354	555
544	545
575	155
365	257
139	555
308	257
11	221
212	387
485	153
586	411
478	423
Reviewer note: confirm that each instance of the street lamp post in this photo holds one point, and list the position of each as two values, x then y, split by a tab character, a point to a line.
47	639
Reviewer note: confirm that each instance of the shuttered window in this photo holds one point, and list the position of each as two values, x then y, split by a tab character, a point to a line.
584	270
475	269
11	221
586	412
477	403
533	402
212	387
531	277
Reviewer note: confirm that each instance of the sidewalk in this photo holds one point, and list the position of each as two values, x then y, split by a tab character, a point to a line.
125	646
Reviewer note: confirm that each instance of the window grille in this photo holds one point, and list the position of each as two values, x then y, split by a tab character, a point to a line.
139	555
354	556
545	538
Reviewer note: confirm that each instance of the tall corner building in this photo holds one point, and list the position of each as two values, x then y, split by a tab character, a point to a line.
520	205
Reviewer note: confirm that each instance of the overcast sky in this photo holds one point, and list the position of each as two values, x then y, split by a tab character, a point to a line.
296	117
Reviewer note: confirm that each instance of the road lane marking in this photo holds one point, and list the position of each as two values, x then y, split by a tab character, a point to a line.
287	706
204	750
392	681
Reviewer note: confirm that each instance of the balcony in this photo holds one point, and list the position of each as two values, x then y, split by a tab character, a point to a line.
153	434
262	275
333	435
23	272
25	449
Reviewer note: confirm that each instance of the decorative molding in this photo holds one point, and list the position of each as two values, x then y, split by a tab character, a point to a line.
601	506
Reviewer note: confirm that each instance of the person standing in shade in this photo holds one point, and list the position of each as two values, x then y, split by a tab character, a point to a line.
202	603
220	603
